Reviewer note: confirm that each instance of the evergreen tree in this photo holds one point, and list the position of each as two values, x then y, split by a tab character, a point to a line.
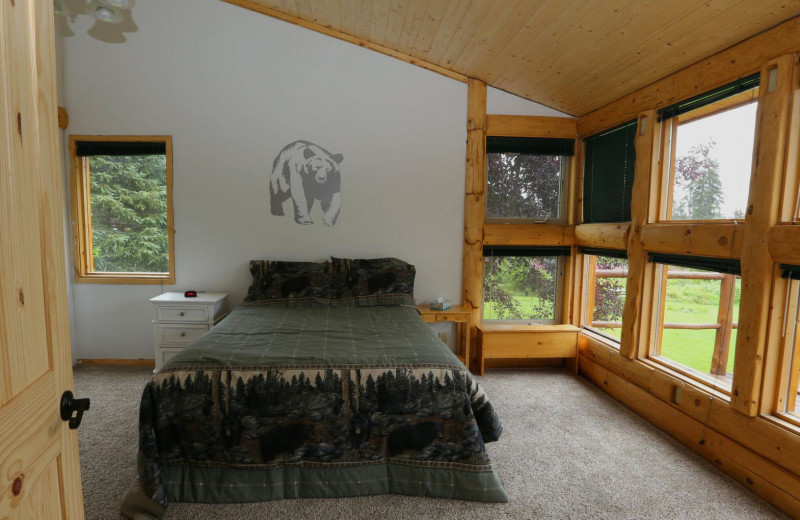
240	388
129	213
370	391
697	174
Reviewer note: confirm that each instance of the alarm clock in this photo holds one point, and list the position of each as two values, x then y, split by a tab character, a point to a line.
190	294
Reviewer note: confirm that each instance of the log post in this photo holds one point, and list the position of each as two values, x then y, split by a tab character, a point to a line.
762	213
637	259
474	200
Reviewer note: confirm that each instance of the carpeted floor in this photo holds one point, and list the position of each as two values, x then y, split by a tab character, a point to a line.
568	451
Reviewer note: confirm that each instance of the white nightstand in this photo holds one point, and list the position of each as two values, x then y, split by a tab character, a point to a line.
180	320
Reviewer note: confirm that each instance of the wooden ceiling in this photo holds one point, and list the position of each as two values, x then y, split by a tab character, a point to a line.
571	55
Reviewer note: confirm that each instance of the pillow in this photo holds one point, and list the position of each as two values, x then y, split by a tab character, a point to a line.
376	276
274	280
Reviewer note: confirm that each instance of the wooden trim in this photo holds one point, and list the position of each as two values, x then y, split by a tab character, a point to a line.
713	239
722	339
274	13
63	118
723	105
532	126
591	288
474	205
690	422
639	269
80	209
610	236
524	327
126	362
724	67
790	202
788	361
527	235
762	213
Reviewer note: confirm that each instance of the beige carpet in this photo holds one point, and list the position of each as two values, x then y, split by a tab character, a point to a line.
568	451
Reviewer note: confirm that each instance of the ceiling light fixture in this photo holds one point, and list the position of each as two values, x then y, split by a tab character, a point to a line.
109	11
104	13
120	4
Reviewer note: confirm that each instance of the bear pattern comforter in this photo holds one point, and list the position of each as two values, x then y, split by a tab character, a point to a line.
301	401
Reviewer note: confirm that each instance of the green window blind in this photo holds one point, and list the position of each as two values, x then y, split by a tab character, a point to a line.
119	148
717	265
792	272
608	174
712	96
526	251
598	251
531	145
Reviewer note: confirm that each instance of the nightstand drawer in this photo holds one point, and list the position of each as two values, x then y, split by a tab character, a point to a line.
179	333
183	314
166	353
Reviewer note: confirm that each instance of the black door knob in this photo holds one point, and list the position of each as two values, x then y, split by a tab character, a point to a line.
69	406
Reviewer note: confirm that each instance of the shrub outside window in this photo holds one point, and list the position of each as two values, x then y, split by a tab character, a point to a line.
525	178
605	292
697	321
121	209
522	284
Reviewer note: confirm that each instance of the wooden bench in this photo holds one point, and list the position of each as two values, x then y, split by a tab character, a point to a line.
517	341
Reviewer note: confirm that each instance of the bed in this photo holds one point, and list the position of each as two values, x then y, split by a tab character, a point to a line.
326	383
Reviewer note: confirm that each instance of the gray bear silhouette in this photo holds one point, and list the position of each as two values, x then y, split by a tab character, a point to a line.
306	173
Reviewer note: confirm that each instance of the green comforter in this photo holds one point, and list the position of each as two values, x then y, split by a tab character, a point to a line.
301	401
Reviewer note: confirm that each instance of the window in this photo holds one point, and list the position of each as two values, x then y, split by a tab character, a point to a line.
606	278
525	178
709	151
789	379
608	174
697	302
122	209
523	283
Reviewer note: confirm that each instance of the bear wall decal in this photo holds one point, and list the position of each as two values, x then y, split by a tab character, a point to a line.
306	173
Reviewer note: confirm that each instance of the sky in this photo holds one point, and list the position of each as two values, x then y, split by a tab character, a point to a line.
733	132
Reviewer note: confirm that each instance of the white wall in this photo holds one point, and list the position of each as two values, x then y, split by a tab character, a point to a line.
501	102
233	87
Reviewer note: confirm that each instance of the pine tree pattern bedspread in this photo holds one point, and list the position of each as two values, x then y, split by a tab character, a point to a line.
303	401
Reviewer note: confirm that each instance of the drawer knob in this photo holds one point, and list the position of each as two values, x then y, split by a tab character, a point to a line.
183	313
183	333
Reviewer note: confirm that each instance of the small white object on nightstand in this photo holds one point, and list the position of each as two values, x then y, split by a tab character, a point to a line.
180	320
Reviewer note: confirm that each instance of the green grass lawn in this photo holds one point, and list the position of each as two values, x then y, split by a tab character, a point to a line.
524	304
688	301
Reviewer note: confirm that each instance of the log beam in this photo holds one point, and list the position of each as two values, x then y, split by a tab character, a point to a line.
718	240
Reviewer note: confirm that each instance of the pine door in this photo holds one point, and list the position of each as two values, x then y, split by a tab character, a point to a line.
39	470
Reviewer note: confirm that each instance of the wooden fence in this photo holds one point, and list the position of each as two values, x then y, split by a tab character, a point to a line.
725	315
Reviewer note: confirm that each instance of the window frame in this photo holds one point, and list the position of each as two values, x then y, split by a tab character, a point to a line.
668	159
789	360
557	304
587	307
656	329
81	216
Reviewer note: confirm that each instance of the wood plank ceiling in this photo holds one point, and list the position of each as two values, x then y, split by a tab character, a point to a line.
572	55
